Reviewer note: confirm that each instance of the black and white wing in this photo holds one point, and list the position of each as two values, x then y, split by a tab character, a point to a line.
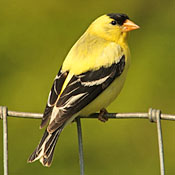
53	96
81	90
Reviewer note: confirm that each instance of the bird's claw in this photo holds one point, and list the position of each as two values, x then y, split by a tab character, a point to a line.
101	115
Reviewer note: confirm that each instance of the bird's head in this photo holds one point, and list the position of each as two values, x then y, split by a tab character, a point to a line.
112	27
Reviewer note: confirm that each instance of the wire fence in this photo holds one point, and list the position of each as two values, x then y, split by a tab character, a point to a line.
153	115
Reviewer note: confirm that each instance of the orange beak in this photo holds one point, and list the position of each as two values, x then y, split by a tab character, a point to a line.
129	25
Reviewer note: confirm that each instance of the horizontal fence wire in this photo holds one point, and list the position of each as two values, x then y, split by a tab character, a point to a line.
94	115
153	115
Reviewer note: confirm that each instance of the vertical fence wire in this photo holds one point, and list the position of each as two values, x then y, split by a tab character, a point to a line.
80	146
160	142
154	115
5	139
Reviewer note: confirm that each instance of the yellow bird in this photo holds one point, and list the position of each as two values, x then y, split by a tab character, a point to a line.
91	77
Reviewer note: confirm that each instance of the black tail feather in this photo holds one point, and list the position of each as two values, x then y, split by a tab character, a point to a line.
45	149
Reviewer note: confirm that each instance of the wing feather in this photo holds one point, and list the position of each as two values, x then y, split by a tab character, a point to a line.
82	89
53	96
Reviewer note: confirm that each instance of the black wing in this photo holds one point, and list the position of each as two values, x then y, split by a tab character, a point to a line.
53	95
82	89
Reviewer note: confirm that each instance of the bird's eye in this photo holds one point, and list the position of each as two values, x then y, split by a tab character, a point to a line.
113	22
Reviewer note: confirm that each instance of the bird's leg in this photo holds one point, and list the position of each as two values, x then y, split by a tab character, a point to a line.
101	116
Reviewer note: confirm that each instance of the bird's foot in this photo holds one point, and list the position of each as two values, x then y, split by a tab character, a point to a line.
101	116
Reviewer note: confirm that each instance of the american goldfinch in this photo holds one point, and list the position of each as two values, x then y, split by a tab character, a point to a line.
91	77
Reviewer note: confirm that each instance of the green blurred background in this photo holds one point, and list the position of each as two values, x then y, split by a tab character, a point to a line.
35	37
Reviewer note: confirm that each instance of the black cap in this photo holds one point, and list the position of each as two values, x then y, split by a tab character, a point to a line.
118	17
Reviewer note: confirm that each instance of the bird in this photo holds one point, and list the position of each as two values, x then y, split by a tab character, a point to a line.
90	78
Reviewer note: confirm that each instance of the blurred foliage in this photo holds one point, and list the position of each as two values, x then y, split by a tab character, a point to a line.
35	37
